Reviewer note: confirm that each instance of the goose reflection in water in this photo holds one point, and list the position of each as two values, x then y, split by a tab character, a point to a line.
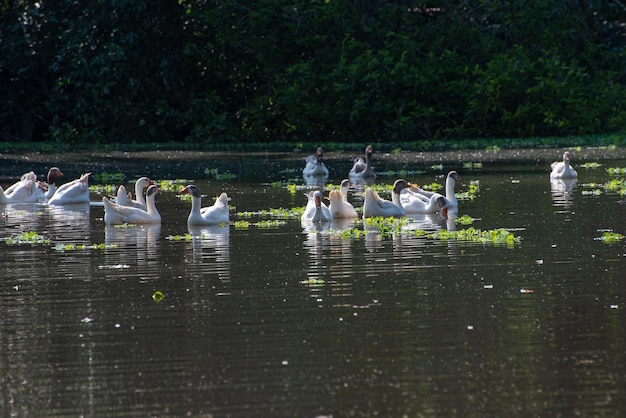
211	250
562	192
137	247
71	221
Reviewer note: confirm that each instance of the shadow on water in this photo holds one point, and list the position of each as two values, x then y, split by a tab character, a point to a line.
270	317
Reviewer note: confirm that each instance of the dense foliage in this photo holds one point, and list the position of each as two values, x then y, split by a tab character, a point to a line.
309	71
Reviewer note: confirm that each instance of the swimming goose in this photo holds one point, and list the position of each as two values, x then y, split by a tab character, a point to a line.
433	201
23	191
210	215
115	214
48	188
563	169
316	210
125	199
315	166
340	208
73	192
362	170
343	189
374	205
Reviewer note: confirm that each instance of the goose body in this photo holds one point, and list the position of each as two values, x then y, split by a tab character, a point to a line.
417	200
416	203
563	169
362	171
23	191
316	210
115	214
340	208
210	215
73	192
374	205
315	166
124	199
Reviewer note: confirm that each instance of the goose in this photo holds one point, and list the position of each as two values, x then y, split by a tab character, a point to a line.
343	189
444	204
73	192
115	214
316	210
211	215
374	205
23	191
414	202
362	170
48	188
340	208
125	199
563	169
315	166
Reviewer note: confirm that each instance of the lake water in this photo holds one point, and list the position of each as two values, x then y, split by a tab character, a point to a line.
275	320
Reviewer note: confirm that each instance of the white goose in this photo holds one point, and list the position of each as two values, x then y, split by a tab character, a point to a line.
115	214
23	191
125	199
374	205
343	189
315	166
73	192
415	202
210	215
340	208
445	203
362	170
563	169
316	210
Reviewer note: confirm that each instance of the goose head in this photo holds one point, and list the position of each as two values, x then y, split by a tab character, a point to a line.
53	174
192	190
400	185
319	155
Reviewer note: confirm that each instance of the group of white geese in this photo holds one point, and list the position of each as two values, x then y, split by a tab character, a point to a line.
406	198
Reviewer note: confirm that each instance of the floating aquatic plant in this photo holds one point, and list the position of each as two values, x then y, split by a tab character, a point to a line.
184	237
175	185
611	237
590	165
464	220
214	173
28	237
243	224
495	236
158	296
616	170
400	173
104	177
280	213
78	247
472	166
109	189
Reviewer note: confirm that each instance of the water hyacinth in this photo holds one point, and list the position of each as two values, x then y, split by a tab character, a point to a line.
28	237
78	247
610	237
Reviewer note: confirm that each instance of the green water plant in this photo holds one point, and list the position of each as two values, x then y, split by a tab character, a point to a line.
610	237
28	237
78	247
214	173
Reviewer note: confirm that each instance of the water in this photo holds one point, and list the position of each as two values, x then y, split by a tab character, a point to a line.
284	322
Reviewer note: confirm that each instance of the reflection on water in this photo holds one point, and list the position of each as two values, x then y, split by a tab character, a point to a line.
298	320
562	191
211	249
